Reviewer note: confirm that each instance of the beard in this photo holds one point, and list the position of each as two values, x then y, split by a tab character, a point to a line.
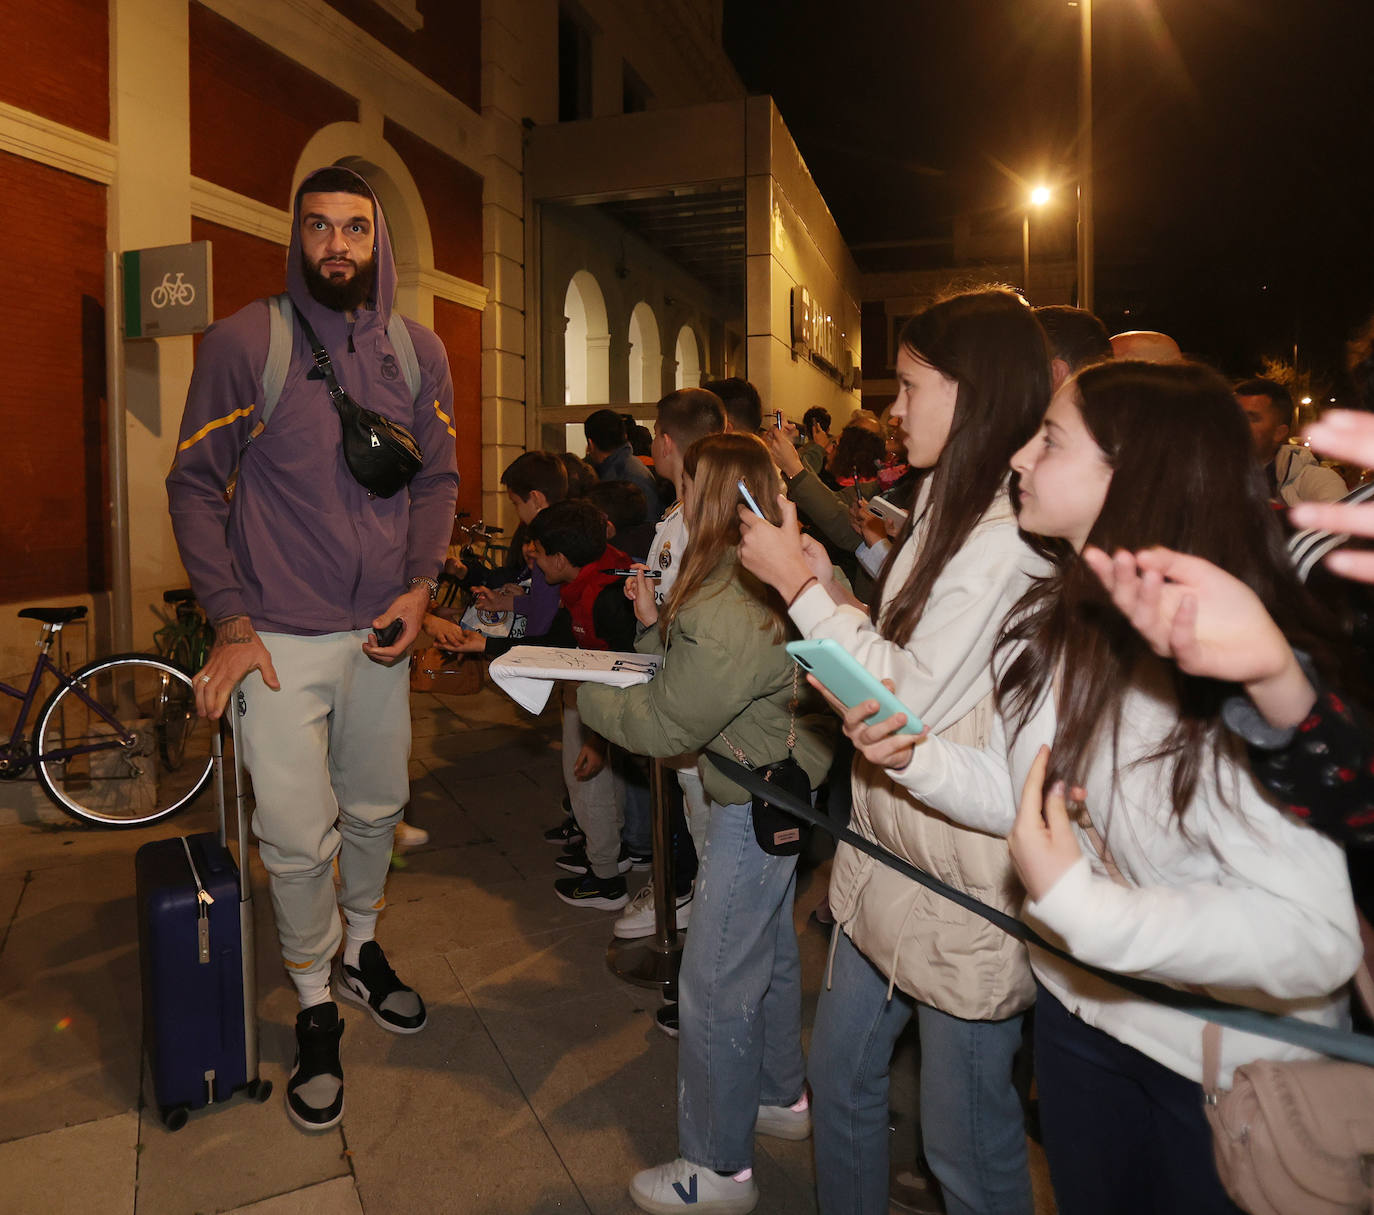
340	294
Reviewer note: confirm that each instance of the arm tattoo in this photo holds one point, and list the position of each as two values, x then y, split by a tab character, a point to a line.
236	630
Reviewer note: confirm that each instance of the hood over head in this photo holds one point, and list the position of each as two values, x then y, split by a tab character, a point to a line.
326	322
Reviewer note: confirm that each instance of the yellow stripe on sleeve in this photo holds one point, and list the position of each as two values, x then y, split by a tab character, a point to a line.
446	420
227	420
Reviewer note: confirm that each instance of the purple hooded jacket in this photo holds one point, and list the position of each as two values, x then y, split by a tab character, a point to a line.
304	549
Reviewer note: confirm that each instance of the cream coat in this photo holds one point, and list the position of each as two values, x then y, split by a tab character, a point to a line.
933	950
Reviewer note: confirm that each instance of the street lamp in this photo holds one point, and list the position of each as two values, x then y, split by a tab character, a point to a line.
1038	198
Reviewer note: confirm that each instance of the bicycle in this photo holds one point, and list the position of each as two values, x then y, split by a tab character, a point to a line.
118	743
185	640
478	548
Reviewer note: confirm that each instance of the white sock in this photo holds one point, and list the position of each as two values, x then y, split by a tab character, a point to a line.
359	928
312	987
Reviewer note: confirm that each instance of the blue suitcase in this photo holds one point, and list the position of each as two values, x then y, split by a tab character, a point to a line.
195	930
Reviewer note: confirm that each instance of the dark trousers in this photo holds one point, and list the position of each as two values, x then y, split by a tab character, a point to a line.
1123	1134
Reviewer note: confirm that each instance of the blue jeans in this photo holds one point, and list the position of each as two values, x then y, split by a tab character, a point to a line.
740	996
971	1119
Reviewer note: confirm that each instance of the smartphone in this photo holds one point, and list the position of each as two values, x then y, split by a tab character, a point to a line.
849	682
886	511
749	498
389	635
649	574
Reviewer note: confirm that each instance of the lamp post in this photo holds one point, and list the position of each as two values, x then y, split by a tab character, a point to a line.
1038	198
1085	155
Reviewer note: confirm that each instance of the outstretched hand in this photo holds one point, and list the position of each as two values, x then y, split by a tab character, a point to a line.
1208	622
1042	840
1348	435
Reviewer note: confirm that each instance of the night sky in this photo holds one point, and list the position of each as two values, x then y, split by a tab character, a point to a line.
1234	186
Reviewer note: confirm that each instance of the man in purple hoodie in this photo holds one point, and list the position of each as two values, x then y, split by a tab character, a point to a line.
296	568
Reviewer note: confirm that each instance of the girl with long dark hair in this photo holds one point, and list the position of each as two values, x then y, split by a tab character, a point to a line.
726	685
1176	865
973	381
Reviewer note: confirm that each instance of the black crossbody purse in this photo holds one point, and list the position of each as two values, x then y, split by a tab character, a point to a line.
381	454
776	831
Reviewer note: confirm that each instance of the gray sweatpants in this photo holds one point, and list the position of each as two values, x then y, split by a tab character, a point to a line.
328	754
598	804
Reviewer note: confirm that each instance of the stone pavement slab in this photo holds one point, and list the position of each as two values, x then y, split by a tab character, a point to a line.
436	1121
78	1170
69	1000
337	1197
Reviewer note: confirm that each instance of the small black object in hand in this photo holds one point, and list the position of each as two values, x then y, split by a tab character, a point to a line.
389	635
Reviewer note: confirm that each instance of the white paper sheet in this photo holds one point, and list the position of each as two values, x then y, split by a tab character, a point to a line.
527	673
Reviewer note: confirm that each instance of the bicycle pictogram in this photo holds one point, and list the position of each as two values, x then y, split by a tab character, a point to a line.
172	291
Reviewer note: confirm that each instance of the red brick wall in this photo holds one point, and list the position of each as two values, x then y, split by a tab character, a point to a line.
452	194
245	267
447	48
56	61
52	410
460	329
253	110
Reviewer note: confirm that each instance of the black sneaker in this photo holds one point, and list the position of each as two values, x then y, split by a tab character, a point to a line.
567	832
666	1019
314	1093
574	860
607	894
374	985
639	861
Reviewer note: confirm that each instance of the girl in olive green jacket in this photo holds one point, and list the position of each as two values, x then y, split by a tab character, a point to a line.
726	685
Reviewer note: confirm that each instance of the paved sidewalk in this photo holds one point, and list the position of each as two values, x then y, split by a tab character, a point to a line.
539	1085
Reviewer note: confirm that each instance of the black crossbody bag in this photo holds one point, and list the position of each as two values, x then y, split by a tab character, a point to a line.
381	454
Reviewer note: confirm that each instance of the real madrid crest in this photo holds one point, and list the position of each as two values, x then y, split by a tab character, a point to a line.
665	555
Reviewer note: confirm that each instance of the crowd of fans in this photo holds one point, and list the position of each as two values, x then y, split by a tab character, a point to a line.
1069	557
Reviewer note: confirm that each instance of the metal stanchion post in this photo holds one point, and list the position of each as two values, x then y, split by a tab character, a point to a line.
653	961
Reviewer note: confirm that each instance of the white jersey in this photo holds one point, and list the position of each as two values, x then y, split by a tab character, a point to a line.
666	552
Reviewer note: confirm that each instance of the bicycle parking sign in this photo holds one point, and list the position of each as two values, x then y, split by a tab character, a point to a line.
167	290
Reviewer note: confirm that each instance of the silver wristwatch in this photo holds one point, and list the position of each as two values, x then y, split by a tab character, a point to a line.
428	582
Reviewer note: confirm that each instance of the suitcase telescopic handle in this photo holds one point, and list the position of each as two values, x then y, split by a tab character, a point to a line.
231	711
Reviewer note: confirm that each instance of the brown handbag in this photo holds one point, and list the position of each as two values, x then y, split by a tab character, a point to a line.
442	671
1294	1137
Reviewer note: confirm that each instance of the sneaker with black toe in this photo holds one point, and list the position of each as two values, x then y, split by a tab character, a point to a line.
574	860
605	894
314	1093
374	985
681	1185
567	832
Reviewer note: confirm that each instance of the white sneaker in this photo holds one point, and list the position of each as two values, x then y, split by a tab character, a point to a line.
682	1186
410	837
785	1121
638	920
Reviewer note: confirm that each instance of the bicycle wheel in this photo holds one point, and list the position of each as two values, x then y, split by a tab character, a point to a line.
101	742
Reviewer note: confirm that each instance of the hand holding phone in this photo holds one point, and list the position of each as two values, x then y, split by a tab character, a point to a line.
749	498
849	682
389	635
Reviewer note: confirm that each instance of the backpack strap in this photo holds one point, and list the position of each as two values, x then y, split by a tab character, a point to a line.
281	337
399	336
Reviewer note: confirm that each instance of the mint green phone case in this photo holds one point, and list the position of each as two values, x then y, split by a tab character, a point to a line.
849	682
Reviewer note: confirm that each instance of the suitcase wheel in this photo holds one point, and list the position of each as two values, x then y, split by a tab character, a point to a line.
259	1090
174	1118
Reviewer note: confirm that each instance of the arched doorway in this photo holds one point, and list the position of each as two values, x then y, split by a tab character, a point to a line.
586	343
646	357
688	373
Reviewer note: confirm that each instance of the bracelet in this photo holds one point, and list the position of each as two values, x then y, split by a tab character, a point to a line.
804	586
430	585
